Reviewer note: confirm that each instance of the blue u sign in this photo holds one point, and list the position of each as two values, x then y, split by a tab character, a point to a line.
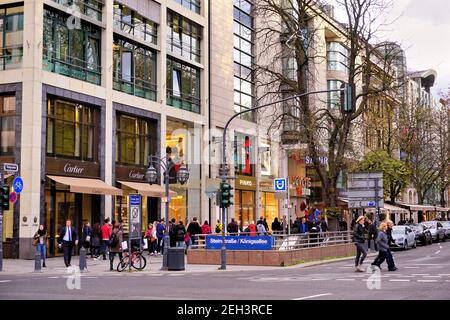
279	185
18	184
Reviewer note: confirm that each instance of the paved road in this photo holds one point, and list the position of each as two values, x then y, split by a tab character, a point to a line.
424	273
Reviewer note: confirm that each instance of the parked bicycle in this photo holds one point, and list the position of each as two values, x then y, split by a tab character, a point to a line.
137	260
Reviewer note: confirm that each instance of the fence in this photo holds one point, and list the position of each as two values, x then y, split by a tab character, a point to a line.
292	241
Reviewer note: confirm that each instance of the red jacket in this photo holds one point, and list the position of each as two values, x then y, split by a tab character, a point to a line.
252	230
106	231
206	229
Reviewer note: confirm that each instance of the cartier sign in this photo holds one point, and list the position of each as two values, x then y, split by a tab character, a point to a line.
72	168
130	174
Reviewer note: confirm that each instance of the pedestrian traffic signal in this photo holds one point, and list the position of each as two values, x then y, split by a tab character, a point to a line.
225	195
4	197
347	98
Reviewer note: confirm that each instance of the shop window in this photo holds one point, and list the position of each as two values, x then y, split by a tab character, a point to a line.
7	125
72	130
133	136
243	155
11	37
73	52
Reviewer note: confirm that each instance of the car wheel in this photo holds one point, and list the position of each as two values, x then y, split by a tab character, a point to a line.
444	239
424	242
405	247
437	239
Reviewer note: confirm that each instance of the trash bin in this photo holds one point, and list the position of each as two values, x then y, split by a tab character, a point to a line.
175	259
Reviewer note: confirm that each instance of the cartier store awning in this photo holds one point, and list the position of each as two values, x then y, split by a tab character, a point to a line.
148	190
89	186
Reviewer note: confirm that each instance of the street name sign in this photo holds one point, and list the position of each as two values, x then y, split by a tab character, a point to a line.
365	190
10	167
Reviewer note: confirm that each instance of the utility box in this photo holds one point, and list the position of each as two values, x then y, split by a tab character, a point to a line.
175	259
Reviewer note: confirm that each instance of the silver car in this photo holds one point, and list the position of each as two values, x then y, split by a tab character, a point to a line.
446	225
437	230
404	237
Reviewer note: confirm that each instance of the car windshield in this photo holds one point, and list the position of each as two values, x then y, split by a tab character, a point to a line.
430	225
398	230
446	224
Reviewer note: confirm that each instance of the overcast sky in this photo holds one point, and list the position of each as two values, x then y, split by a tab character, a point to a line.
423	30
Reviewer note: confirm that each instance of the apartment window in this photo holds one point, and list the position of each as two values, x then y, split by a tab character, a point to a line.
134	69
334	98
133	140
72	130
243	59
183	86
183	36
90	8
193	5
11	37
7	125
337	57
131	22
73	52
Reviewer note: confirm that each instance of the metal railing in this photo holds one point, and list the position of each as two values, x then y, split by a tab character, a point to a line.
288	242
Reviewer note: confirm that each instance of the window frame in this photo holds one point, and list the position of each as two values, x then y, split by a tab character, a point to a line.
4	115
185	27
4	55
338	53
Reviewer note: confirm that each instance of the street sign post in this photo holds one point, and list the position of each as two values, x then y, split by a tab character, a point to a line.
135	221
13	197
18	184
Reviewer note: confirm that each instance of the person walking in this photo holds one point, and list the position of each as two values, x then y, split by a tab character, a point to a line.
389	257
180	234
106	233
41	238
265	224
218	228
233	228
194	230
86	236
96	239
276	226
151	240
383	246
261	229
115	245
68	237
206	229
252	229
372	235
172	233
359	240
160	230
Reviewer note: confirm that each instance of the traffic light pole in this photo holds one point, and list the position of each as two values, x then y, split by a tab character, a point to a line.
224	174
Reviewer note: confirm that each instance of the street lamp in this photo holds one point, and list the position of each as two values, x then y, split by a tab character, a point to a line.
152	177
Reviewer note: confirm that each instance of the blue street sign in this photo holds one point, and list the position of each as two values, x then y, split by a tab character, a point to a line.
18	184
280	185
135	199
240	243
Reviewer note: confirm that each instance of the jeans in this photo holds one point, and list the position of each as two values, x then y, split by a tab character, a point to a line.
111	259
104	248
42	248
159	247
180	244
382	255
361	253
390	260
151	246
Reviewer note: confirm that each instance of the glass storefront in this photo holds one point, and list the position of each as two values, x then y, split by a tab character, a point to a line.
149	210
269	207
245	206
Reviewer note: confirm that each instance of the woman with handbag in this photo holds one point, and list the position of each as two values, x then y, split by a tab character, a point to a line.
40	241
151	240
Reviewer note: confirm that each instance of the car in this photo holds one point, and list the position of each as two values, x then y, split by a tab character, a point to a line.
403	237
436	229
446	225
423	235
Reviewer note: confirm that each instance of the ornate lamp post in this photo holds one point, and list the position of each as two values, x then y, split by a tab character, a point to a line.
152	177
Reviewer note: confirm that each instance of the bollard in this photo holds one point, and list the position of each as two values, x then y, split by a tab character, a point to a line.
83	263
37	261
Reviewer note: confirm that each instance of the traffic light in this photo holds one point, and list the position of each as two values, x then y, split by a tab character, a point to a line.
347	98
225	195
4	197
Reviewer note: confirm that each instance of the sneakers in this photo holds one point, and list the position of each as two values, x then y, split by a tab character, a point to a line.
393	269
358	269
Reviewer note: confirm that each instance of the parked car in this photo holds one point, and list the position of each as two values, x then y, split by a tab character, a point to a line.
436	229
423	235
446	225
403	237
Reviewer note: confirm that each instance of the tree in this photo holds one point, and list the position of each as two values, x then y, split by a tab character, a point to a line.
443	182
395	172
290	31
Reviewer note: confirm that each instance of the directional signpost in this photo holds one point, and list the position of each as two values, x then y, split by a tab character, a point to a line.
365	190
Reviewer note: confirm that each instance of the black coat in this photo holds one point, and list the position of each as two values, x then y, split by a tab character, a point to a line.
179	232
358	234
62	233
194	228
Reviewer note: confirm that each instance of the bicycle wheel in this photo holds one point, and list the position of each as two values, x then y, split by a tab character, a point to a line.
139	262
123	264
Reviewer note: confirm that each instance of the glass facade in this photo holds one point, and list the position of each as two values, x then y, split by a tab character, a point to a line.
269	207
11	37
133	136
7	125
244	160
337	56
73	52
183	36
134	69
193	5
243	58
334	98
90	8
183	86
244	204
72	130
132	23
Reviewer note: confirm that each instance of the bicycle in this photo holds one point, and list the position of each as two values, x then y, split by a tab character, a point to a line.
137	260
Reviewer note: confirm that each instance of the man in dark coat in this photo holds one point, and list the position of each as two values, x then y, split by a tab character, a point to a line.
194	229
68	237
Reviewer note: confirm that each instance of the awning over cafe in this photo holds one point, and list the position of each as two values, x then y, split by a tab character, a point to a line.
393	209
89	186
441	209
417	207
148	190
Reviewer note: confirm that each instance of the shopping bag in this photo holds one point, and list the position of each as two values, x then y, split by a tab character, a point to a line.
124	245
145	244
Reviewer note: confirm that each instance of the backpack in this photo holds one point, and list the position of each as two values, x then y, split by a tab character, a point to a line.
113	240
217	228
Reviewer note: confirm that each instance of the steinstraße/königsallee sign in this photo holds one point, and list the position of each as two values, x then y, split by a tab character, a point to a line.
240	243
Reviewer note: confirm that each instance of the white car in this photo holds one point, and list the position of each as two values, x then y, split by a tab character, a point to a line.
404	237
436	229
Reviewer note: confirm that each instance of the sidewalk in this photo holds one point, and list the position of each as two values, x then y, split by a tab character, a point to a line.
55	266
